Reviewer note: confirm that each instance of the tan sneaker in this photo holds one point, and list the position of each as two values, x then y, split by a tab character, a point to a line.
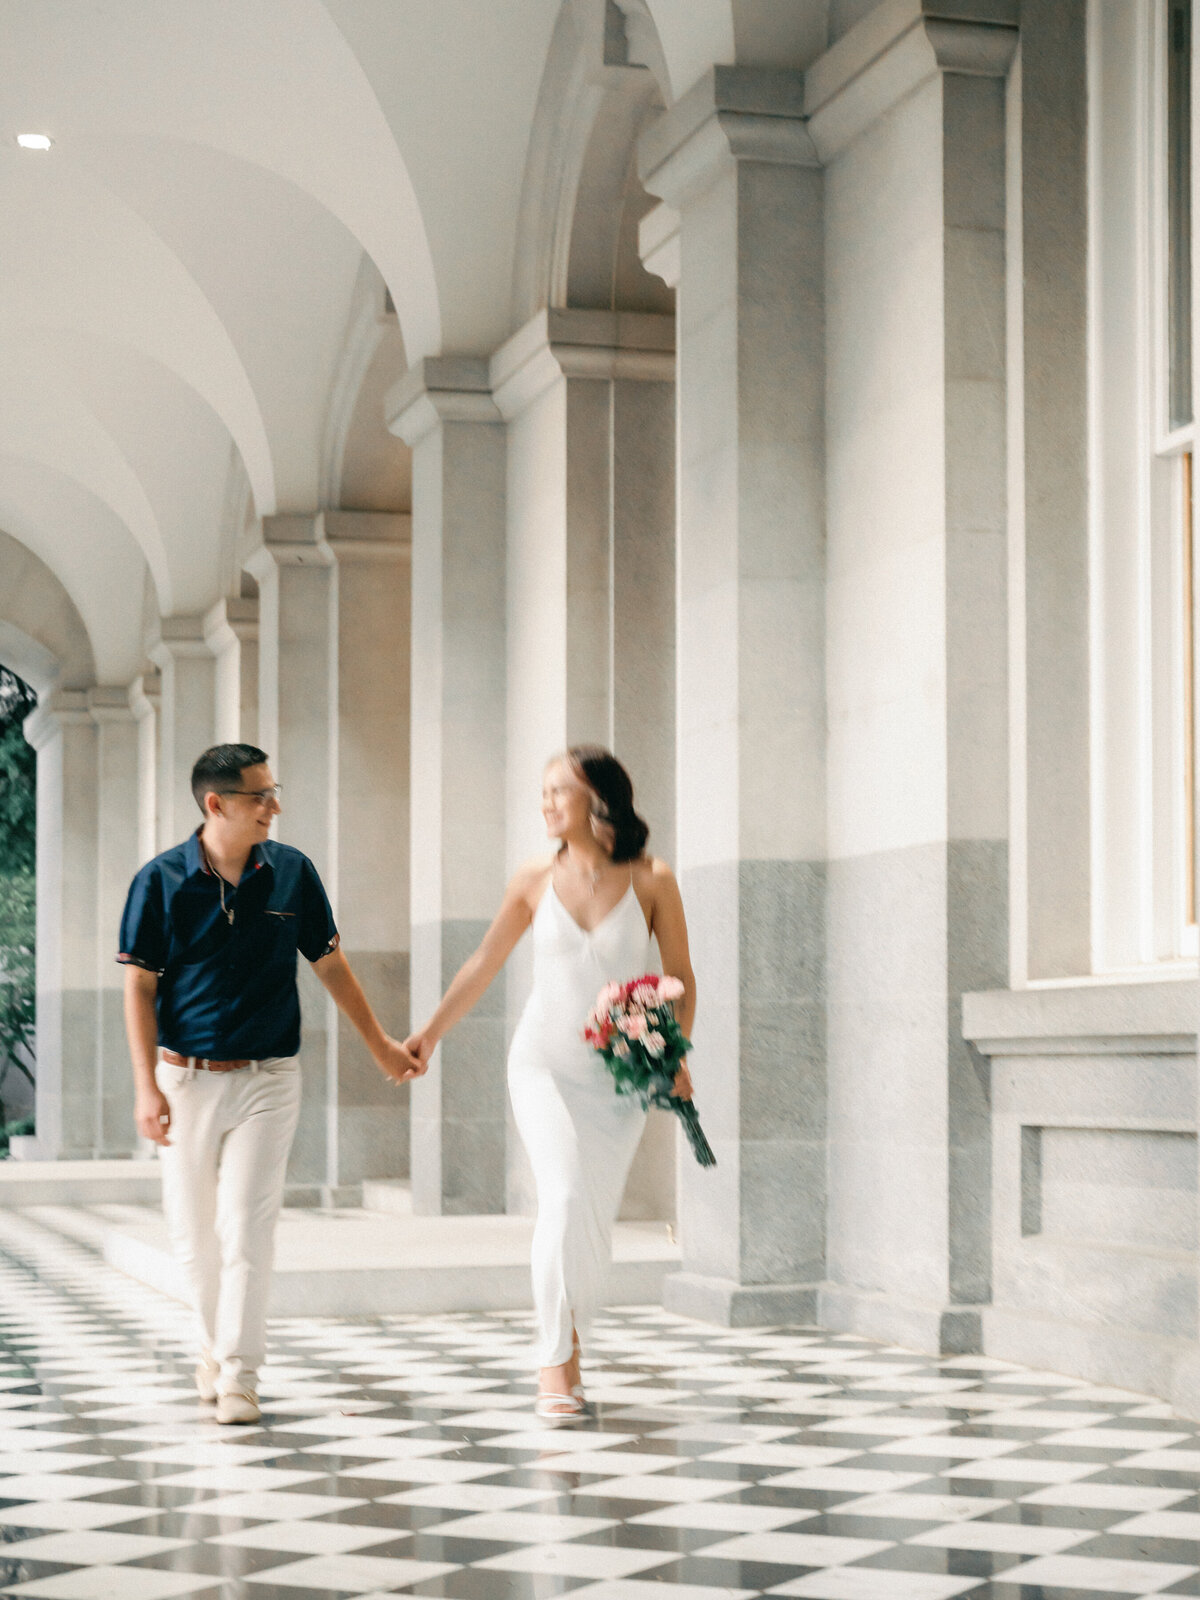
240	1406
207	1373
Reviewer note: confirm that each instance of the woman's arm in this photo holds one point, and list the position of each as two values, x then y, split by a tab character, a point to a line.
669	926
477	971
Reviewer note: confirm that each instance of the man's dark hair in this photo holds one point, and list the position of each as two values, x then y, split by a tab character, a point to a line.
221	768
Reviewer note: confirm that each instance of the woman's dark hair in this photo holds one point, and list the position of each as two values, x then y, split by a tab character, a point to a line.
221	768
622	828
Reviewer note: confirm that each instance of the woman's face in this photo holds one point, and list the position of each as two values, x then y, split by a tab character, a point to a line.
566	803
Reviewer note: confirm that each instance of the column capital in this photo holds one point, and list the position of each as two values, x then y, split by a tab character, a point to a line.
892	51
145	694
731	114
175	639
658	243
581	344
368	536
231	622
325	538
439	389
292	539
65	708
110	705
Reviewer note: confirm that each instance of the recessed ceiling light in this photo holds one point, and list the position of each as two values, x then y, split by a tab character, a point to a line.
34	141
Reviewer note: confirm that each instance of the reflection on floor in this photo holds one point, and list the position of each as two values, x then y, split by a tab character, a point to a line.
401	1455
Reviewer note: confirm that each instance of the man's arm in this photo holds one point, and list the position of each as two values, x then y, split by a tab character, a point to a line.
392	1059
151	1112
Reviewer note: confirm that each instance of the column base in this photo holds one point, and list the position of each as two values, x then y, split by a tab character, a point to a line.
322	1196
1185	1384
739	1305
941	1330
29	1147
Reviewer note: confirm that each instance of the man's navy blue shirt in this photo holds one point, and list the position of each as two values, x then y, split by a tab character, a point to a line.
227	990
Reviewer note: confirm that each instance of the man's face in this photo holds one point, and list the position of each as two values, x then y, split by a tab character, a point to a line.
245	816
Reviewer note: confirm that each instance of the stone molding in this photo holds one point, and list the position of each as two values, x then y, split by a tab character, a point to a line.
596	345
893	50
65	708
658	243
145	694
731	114
439	389
771	115
327	538
1150	1017
177	638
231	622
110	705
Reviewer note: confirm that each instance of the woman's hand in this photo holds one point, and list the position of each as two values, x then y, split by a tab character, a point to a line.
397	1062
420	1046
683	1089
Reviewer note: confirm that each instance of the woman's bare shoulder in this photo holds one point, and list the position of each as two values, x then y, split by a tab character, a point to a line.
653	875
531	875
656	869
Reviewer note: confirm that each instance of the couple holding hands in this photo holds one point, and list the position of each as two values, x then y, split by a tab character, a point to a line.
210	937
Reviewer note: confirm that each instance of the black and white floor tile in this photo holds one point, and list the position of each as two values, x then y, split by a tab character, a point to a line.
401	1456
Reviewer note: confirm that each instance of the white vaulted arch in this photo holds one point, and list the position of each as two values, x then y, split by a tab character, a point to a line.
42	636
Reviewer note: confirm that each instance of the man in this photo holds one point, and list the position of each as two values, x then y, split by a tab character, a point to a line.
210	937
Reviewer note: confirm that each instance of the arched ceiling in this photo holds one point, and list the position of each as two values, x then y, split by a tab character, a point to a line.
181	274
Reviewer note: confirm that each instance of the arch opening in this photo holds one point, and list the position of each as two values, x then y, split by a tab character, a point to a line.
18	903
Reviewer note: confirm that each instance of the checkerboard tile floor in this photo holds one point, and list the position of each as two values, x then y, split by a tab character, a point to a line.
401	1456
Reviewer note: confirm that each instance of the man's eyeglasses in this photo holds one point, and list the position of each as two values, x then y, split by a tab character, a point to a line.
262	796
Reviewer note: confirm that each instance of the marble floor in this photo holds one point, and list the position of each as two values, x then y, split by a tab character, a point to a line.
400	1455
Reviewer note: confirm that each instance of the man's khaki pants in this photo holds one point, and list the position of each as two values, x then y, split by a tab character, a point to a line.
223	1175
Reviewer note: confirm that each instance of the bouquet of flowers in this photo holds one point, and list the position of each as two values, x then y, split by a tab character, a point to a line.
633	1029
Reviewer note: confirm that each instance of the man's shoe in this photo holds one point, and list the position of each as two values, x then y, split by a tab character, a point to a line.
207	1373
240	1406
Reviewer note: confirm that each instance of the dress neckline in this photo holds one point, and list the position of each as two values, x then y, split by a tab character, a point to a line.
610	913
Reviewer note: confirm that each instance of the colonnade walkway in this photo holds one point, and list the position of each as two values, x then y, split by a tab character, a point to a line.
400	1455
350	1261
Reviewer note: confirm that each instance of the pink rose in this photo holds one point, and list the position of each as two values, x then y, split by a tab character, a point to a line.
655	1044
671	989
633	1026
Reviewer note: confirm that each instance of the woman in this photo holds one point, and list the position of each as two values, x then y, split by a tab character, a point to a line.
594	906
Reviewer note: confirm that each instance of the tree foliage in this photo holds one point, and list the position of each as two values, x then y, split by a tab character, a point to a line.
18	897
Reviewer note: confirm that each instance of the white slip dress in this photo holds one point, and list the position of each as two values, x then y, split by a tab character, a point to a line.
579	1133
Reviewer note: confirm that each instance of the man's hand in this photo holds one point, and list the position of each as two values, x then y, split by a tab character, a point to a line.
152	1115
395	1061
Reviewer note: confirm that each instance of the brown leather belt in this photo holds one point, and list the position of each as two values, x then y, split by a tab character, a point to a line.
204	1064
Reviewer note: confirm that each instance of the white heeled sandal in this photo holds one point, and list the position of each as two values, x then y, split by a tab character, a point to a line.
553	1407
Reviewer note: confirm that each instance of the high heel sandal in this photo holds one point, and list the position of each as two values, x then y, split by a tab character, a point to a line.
556	1407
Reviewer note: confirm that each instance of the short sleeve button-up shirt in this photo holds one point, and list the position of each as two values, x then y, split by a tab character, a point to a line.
227	978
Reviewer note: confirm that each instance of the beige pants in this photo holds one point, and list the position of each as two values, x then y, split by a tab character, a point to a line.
223	1175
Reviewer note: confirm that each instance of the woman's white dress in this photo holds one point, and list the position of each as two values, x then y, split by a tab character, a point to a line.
579	1133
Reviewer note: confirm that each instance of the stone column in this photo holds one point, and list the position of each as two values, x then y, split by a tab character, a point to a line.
444	409
1048	308
296	703
118	858
186	723
734	160
231	633
64	734
590	402
145	701
917	663
333	720
371	552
